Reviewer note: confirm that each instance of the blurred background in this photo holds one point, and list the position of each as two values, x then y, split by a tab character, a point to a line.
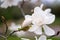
14	13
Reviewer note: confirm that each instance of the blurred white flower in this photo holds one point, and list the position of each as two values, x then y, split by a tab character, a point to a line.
9	3
42	17
39	20
14	27
42	37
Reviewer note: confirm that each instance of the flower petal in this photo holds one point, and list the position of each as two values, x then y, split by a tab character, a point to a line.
20	33
27	16
37	18
14	27
49	18
41	6
42	37
27	21
33	28
37	10
38	31
48	10
25	34
48	31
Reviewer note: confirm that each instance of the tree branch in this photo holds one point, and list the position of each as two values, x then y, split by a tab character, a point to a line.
4	21
13	32
2	36
21	6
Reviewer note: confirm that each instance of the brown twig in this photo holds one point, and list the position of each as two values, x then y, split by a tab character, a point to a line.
21	6
23	29
4	21
13	32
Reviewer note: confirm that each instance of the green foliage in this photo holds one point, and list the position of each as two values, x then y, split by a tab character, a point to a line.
57	21
55	38
10	13
13	38
17	38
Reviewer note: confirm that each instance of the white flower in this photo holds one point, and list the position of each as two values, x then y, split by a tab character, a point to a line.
9	3
39	20
42	37
14	27
42	17
25	34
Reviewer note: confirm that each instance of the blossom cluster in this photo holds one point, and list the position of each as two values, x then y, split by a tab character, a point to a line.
36	23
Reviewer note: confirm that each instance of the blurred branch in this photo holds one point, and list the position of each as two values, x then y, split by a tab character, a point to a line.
23	29
22	12
2	36
5	38
4	21
12	33
21	6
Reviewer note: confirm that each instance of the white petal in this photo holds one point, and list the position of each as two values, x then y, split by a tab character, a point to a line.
27	16
14	27
38	31
48	31
42	37
20	33
37	18
27	21
33	28
49	18
37	10
41	6
25	34
48	10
